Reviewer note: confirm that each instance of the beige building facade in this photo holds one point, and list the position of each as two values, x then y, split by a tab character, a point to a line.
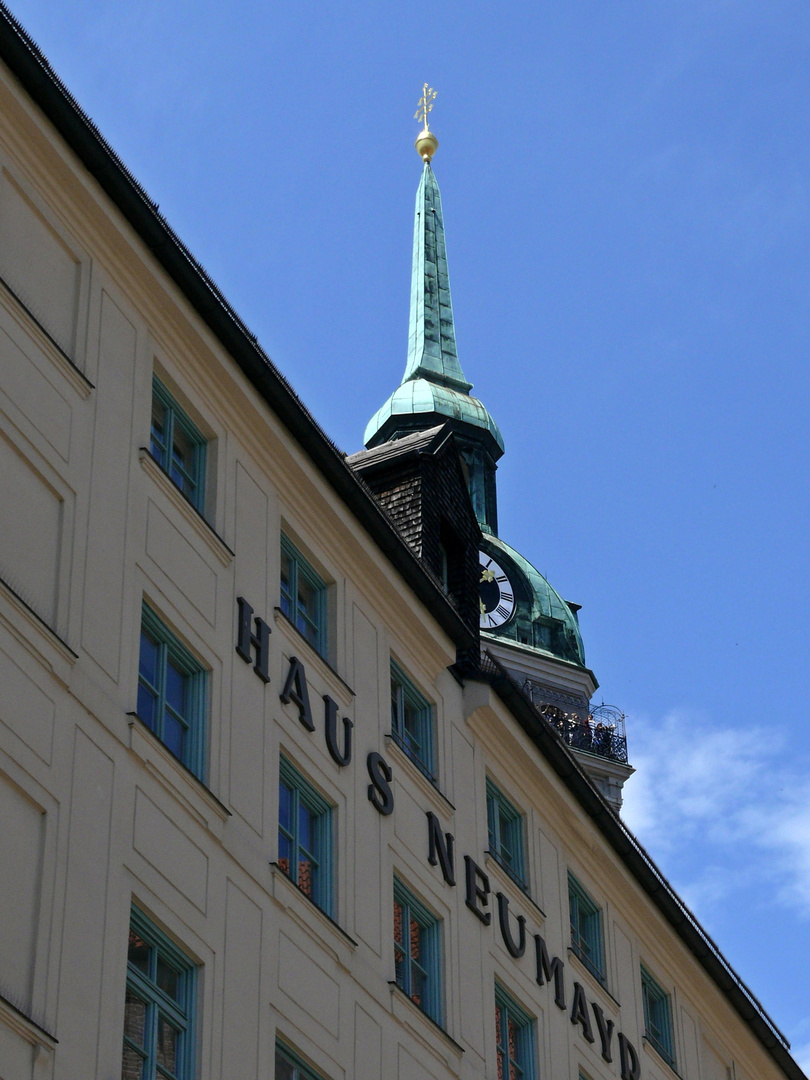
258	820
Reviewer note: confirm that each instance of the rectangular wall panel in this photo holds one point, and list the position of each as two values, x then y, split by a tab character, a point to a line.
242	978
31	532
367	1046
181	563
248	692
38	265
82	958
309	986
22	834
26	709
112	457
170	851
30	391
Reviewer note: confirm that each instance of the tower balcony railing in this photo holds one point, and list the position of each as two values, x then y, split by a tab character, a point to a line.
592	729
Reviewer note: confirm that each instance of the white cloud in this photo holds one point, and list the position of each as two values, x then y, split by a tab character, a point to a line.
704	795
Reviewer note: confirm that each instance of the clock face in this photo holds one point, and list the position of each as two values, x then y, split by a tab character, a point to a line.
495	593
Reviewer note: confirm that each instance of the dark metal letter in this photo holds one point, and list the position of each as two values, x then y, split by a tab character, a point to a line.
260	641
330	721
440	849
295	690
605	1030
628	1059
579	1012
477	890
380	794
506	933
548	969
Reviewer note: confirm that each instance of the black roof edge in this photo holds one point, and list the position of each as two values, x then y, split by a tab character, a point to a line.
27	63
642	867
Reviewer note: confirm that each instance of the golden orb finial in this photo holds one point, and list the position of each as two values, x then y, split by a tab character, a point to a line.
426	142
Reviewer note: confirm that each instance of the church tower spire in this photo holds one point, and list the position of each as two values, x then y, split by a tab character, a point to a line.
433	388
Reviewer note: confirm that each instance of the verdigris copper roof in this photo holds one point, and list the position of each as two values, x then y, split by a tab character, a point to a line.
546	602
433	384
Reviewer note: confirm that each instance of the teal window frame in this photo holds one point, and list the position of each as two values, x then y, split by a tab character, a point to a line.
412	721
160	1002
172	692
289	1065
417	961
178	445
305	837
303	596
505	829
514	1039
657	1017
587	941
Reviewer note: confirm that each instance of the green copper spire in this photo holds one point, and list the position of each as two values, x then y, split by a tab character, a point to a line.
433	386
433	389
431	332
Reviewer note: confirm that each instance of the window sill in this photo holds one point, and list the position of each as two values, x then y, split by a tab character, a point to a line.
428	786
291	889
49	345
38	624
28	1029
592	976
494	865
320	659
650	1046
176	777
201	525
513	877
413	1010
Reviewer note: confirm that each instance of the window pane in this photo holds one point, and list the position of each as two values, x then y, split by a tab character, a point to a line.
177	446
284	1070
171	693
416	940
400	969
167	978
147	705
416	961
182	455
168	1039
306	877
284	806
304	836
158	1002
399	923
175	688
138	952
134	1018
158	439
147	664
417	987
284	853
307	599
304	828
395	710
411	720
174	734
286	584
132	1064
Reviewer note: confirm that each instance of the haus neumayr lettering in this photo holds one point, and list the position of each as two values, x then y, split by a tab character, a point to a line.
252	645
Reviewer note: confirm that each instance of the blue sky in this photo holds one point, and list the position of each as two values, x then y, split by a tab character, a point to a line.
626	197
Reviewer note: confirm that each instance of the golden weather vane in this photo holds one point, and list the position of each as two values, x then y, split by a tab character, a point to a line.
425	105
426	141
